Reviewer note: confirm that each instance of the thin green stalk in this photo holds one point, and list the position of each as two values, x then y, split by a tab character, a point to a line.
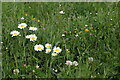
16	61
24	46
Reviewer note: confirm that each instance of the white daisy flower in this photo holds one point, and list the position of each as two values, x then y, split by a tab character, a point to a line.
22	17
54	54
38	47
86	25
48	45
28	36
1	42
68	50
32	37
68	62
33	28
63	35
56	70
62	12
76	35
75	63
57	49
93	76
33	71
6	48
90	59
48	50
37	66
14	33
22	25
90	13
16	71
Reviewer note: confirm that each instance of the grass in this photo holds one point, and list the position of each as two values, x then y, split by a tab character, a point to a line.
100	42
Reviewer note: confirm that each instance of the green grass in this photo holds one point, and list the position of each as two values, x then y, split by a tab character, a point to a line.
102	45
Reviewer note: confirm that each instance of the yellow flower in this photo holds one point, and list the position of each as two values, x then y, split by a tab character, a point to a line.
26	14
74	31
80	32
86	30
33	18
38	20
91	27
69	31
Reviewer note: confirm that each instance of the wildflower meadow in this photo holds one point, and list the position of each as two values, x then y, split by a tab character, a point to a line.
60	40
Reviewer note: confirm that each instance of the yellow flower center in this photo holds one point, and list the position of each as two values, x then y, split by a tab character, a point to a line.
33	29
56	50
39	47
86	30
14	33
54	54
74	31
48	50
22	25
33	38
48	46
